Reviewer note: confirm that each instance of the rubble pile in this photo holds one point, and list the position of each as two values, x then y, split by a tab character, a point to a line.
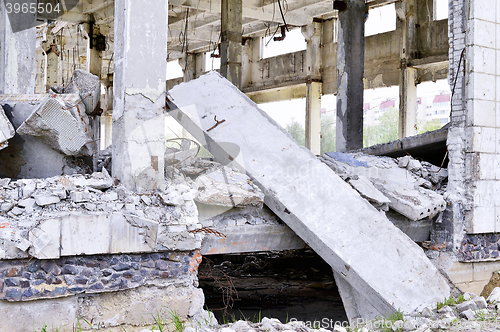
26	204
467	312
412	188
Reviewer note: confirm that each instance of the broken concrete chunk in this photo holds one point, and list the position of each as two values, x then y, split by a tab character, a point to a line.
28	204
399	185
109	196
28	189
98	180
225	187
146	199
7	131
88	86
62	125
4	182
23	244
79	196
368	191
494	296
468	314
42	200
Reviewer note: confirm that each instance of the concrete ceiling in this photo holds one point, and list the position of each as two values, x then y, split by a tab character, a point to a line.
195	24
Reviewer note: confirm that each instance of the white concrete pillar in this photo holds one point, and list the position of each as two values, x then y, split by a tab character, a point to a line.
139	93
312	34
408	103
407	89
313	117
17	57
231	26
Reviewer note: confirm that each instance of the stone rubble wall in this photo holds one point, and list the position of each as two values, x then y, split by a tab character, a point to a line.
26	280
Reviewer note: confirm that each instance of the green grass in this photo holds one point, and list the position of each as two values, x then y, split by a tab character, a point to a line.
176	320
450	301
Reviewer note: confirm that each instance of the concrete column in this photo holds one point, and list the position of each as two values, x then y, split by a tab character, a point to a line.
139	93
407	89
231	26
251	54
95	67
17	57
312	34
313	117
52	50
350	67
95	56
407	103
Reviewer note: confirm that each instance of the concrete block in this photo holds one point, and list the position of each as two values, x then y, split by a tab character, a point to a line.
485	87
28	189
480	302
482	219
251	238
483	11
399	185
45	240
7	131
342	227
79	196
461	272
483	58
32	315
468	314
43	200
88	86
483	139
63	126
136	307
488	166
482	112
130	233
494	296
367	190
477	36
98	234
99	180
475	287
227	188
483	271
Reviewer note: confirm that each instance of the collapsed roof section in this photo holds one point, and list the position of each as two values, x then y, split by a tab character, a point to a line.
350	234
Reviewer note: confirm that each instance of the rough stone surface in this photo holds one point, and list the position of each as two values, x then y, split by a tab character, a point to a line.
90	274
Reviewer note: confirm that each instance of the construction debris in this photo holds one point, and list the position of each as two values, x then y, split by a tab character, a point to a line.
62	124
6	129
32	209
88	86
227	188
406	183
390	272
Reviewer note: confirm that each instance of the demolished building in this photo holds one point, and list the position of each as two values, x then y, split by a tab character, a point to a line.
116	238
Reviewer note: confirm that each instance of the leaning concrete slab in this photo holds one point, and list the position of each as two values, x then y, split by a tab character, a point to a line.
359	242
